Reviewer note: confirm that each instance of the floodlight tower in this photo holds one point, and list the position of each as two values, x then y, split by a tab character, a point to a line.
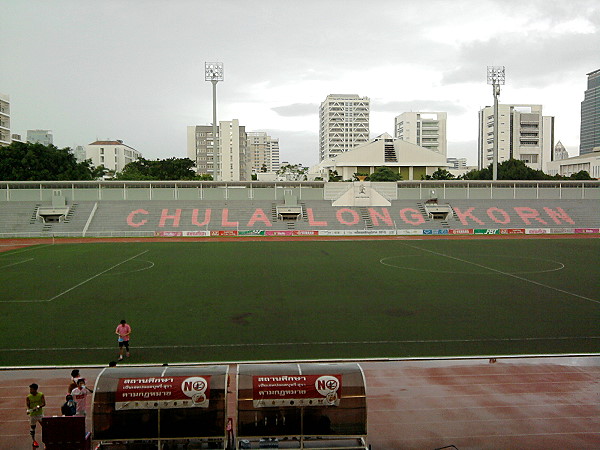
495	77
214	74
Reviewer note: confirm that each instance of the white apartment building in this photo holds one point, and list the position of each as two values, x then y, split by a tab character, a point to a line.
5	137
343	124
234	164
457	163
263	151
524	133
590	162
425	129
113	155
43	137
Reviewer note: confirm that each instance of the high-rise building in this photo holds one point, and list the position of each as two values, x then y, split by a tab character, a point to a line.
590	115
523	133
232	145
343	124
560	152
263	151
426	129
5	137
113	155
40	137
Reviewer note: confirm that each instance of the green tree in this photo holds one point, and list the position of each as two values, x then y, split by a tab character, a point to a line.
22	161
581	175
333	176
512	169
160	169
440	174
385	174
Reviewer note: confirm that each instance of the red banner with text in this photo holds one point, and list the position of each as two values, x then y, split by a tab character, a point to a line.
162	392
296	390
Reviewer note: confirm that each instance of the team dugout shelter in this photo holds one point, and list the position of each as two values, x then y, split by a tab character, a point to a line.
311	405
160	407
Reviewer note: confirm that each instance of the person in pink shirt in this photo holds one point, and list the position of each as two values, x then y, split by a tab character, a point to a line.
123	331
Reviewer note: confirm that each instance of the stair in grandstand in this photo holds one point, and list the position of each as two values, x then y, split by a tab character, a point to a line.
34	216
47	227
390	153
273	212
364	214
423	211
304	215
291	224
71	212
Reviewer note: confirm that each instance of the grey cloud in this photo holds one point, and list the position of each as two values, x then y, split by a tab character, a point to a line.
297	109
451	107
531	60
297	146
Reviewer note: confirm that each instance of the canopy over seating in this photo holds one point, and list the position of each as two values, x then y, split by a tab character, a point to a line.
301	405
160	404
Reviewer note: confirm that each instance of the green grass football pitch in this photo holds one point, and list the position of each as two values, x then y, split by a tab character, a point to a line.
232	301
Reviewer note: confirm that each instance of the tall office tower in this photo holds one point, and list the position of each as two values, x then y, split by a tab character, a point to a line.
560	152
343	124
523	133
5	138
40	136
426	129
233	155
263	151
590	115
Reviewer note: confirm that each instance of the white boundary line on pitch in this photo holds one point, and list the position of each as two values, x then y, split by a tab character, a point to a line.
14	264
272	344
76	286
29	247
505	273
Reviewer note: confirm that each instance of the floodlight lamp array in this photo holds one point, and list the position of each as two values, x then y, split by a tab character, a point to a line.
213	71
496	75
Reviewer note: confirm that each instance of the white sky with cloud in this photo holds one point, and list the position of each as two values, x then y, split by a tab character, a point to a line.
134	69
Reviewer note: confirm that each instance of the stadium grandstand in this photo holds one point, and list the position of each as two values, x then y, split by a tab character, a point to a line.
110	208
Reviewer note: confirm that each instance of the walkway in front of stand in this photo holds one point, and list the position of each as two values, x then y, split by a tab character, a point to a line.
533	403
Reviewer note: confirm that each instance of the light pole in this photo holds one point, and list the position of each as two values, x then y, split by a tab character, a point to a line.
495	77
214	74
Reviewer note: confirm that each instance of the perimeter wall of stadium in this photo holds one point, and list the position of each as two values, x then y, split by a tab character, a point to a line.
315	190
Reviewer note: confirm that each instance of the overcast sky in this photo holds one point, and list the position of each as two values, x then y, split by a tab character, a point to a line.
134	70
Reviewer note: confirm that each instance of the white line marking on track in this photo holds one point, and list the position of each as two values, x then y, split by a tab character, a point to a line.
14	264
76	286
505	273
272	344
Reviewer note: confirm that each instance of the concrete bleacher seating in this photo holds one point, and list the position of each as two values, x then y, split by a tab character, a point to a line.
145	217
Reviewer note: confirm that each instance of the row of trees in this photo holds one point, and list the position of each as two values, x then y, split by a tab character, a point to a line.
21	161
512	169
37	162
